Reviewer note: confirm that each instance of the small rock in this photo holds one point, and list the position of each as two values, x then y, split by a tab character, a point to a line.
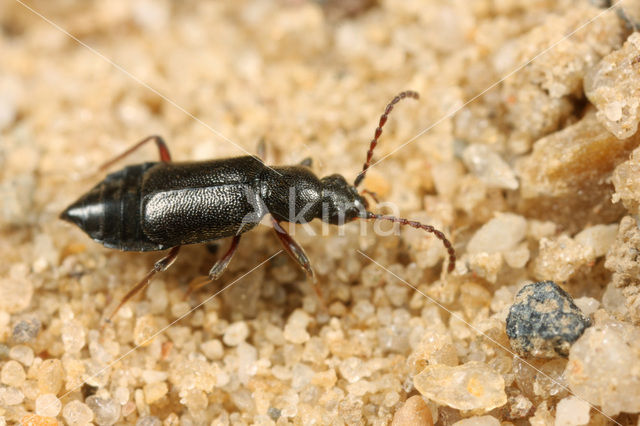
414	411
247	357
178	309
195	374
518	256
155	391
50	376
243	400
37	420
26	330
144	330
151	15
500	234
15	291
623	294
549	380
295	330
588	305
11	396
302	376
544	322
325	379
73	336
630	13
613	86
212	349
194	400
235	333
614	302
274	413
76	413
149	421
572	411
352	369
152	376
567	165
48	405
520	406
12	374
485	163
561	257
471	386
625	179
434	348
598	237
478	421
486	265
391	398
17	194
22	354
602	367
106	411
446	177
121	395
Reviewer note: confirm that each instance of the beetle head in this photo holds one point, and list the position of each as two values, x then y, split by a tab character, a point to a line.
341	201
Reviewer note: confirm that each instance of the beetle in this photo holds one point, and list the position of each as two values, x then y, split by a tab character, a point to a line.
164	205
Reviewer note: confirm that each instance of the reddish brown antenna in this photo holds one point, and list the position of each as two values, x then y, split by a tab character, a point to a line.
428	228
383	120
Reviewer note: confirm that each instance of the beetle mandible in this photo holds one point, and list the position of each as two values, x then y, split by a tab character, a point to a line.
164	205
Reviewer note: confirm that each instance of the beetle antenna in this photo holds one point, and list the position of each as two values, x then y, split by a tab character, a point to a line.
383	120
418	225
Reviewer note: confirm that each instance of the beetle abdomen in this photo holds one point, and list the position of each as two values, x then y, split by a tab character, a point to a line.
110	212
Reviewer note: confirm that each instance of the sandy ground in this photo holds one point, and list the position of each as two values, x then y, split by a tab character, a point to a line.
514	150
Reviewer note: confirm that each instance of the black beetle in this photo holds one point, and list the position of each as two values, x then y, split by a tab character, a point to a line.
164	205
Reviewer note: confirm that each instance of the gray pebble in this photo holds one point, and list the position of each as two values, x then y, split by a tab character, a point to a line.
26	330
274	413
543	321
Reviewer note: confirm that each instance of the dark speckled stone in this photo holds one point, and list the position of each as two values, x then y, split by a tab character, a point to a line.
543	321
26	330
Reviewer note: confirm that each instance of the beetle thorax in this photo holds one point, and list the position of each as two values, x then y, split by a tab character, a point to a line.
293	194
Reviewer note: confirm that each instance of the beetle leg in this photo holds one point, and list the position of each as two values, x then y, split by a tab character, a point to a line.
297	253
216	270
165	155
293	249
160	266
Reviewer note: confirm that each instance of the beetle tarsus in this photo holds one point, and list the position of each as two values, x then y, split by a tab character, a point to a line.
160	266
216	270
